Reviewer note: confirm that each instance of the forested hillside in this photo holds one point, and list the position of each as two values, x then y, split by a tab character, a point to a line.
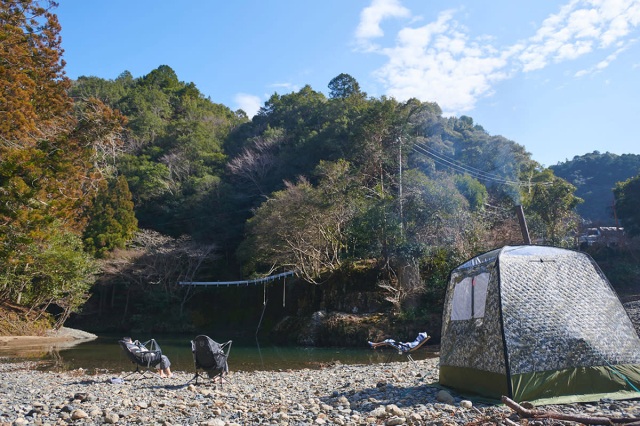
114	191
595	176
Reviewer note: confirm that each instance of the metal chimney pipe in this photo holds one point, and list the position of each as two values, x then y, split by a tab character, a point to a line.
523	225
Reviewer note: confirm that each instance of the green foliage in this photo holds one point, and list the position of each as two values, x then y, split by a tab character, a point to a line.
435	267
432	206
173	156
475	192
147	179
53	271
109	92
112	222
627	195
595	175
163	78
377	142
344	86
620	265
376	231
552	202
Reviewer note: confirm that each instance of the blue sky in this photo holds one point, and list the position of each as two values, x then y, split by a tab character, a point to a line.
560	78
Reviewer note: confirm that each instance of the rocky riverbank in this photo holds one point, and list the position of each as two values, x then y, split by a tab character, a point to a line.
379	394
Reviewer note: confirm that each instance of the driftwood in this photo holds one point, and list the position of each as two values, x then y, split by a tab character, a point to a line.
587	420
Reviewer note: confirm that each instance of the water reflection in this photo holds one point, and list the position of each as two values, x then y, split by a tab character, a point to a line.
34	350
104	354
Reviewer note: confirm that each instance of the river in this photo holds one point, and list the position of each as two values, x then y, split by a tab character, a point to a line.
104	354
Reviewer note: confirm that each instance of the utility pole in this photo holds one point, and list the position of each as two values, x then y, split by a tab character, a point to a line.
523	225
400	187
615	214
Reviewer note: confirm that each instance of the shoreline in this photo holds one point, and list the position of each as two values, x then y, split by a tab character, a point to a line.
61	336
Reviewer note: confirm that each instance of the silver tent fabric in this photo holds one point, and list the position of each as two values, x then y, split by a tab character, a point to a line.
475	343
546	309
560	312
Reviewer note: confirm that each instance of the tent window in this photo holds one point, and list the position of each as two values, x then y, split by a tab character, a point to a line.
469	297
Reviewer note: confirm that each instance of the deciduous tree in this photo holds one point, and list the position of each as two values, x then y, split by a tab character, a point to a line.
304	227
552	202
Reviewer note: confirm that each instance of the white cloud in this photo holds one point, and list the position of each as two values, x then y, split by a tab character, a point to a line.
248	103
580	27
372	16
440	62
606	61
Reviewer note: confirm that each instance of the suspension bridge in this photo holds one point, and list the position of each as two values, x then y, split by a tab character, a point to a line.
255	281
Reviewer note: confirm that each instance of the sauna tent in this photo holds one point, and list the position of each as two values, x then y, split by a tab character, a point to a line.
538	324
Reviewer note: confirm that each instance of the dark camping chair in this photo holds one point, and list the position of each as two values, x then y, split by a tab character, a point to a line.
210	356
406	348
146	355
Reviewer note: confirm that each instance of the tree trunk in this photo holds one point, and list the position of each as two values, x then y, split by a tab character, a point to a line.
126	305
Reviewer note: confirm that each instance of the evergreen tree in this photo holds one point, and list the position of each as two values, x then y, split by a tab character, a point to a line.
33	93
344	86
627	195
48	163
112	222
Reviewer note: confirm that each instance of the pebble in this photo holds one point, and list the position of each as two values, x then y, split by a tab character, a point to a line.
349	395
465	403
78	414
445	397
111	418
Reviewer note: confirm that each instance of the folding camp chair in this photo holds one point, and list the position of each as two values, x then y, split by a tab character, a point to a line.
210	356
146	355
403	348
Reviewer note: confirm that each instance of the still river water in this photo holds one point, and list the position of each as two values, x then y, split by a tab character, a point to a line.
104	353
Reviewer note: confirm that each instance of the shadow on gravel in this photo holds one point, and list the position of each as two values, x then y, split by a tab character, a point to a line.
136	384
385	394
86	382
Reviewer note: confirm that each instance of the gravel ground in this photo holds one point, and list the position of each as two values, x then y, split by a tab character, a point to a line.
379	394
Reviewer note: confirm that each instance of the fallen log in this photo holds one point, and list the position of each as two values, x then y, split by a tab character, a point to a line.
587	420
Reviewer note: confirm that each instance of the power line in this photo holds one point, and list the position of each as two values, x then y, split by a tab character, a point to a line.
497	207
463	168
452	163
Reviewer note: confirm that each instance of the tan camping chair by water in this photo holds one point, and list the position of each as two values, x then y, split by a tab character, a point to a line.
403	348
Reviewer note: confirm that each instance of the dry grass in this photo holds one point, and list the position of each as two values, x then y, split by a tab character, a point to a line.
18	321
